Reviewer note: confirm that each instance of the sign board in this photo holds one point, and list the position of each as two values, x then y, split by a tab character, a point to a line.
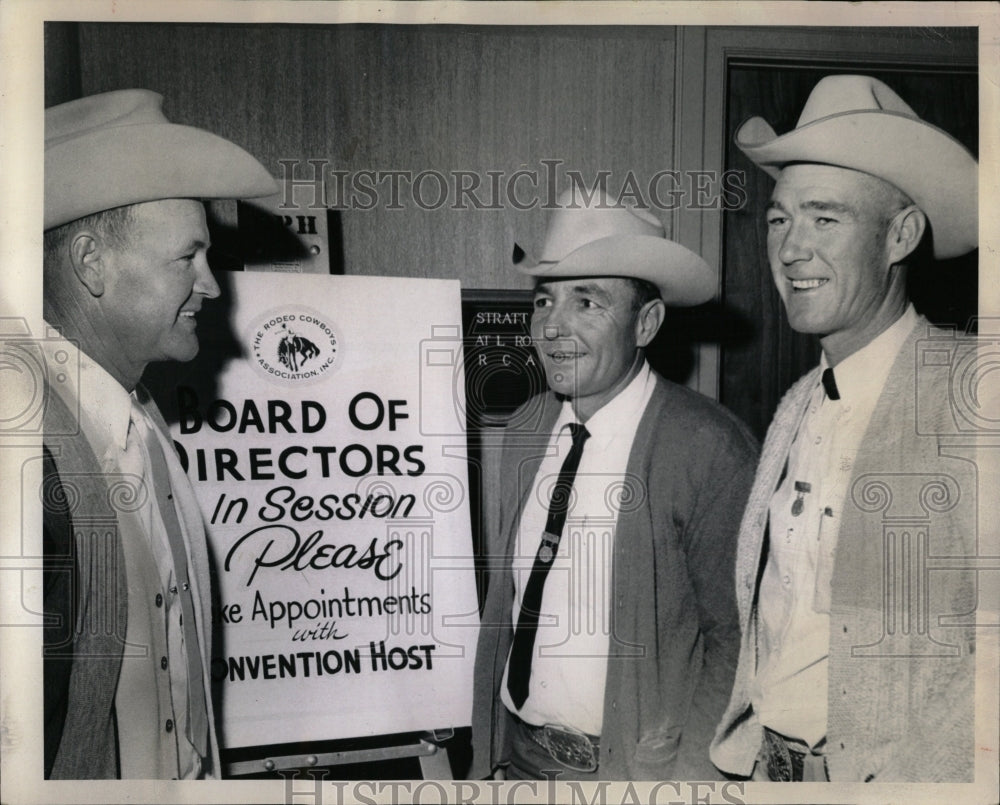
501	368
328	455
278	236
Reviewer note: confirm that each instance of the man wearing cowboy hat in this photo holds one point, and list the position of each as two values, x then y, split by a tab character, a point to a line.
855	663
608	643
126	584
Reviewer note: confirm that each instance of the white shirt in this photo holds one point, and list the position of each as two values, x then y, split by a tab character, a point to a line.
790	694
188	757
146	748
569	663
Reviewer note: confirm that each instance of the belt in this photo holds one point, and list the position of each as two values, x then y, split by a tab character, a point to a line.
785	763
572	748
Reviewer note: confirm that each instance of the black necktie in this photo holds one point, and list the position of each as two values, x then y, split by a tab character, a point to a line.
830	385
519	668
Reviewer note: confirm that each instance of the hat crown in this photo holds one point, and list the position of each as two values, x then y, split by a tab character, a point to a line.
598	237
837	94
124	107
576	222
859	123
117	148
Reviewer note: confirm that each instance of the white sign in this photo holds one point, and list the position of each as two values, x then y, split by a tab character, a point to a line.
329	460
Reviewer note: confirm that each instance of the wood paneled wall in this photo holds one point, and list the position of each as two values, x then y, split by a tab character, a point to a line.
415	98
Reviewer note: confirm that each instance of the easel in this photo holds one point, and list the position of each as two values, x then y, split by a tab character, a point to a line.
433	758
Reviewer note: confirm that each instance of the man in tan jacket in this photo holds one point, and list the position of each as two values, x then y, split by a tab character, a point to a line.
856	663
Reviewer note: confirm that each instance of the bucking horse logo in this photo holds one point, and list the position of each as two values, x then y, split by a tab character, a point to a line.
295	350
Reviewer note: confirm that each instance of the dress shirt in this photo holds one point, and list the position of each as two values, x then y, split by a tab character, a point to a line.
148	747
190	760
569	668
805	514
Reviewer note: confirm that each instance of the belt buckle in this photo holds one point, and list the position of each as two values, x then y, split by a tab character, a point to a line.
570	747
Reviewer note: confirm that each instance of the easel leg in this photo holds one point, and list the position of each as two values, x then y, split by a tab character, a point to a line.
435	766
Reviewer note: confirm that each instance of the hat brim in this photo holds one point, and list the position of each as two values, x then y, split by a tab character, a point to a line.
926	163
683	278
112	167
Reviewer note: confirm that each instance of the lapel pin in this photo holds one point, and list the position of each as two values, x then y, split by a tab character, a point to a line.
801	490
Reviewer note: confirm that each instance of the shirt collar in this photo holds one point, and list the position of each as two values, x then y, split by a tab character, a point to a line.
104	405
626	406
861	375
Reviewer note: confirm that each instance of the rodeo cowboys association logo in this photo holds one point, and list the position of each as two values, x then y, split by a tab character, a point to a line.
294	345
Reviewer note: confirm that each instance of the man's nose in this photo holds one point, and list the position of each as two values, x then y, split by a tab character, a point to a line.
554	325
204	282
794	246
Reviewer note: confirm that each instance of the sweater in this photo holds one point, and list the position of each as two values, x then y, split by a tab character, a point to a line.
674	633
901	662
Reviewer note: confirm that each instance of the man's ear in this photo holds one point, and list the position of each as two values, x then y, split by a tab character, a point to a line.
905	231
648	321
86	253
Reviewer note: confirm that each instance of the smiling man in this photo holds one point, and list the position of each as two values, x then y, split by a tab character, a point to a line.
608	638
126	584
856	665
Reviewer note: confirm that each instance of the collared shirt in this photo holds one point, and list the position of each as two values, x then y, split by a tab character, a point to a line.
148	746
569	665
805	515
190	762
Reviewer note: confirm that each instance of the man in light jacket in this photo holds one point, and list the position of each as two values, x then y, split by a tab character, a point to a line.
856	662
126	581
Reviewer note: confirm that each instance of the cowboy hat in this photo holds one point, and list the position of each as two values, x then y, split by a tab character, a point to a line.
857	122
600	238
117	148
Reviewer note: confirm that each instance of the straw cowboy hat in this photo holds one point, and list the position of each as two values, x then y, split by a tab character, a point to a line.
117	148
603	239
857	122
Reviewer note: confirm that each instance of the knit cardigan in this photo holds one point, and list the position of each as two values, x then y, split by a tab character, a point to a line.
675	633
86	600
901	663
85	593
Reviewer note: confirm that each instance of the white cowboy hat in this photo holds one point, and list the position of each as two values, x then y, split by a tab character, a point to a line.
857	122
603	239
117	148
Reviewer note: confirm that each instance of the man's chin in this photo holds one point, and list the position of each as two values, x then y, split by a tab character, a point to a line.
562	383
183	353
805	323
